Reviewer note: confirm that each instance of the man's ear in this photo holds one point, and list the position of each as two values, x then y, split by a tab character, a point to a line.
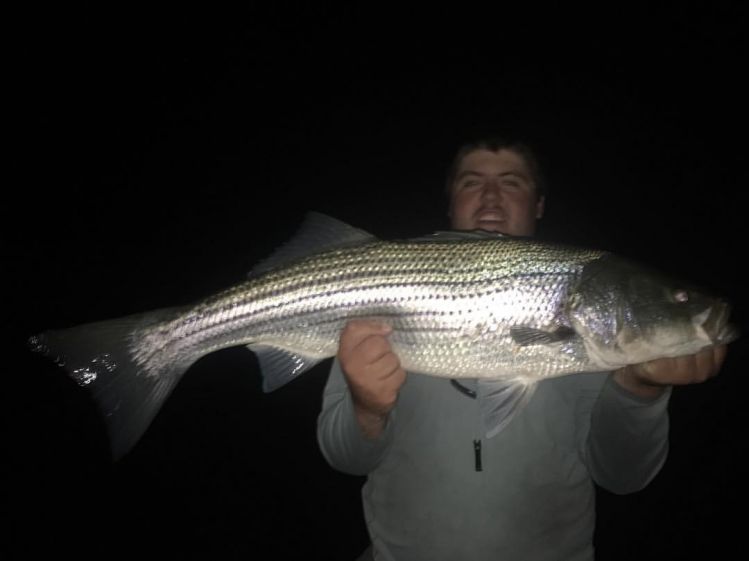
540	206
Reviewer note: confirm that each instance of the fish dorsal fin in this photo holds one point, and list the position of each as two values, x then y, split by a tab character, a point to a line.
279	366
317	233
501	401
526	336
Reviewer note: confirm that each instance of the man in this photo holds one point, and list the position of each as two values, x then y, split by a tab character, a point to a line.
436	487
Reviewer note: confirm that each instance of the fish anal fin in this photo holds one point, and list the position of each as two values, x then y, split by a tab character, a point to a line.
279	366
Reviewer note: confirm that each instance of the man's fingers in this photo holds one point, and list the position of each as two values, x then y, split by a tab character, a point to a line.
704	365
675	371
357	331
719	356
367	326
387	365
687	369
373	349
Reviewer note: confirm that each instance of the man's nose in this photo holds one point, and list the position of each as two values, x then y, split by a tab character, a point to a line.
491	190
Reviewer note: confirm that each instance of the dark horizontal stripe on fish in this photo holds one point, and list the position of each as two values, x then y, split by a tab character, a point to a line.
278	294
363	314
320	274
345	270
218	322
378	315
266	326
370	268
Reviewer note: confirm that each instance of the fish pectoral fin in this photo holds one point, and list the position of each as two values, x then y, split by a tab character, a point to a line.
525	336
279	366
317	233
500	401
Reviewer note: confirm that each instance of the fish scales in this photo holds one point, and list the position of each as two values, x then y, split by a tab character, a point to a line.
436	295
505	311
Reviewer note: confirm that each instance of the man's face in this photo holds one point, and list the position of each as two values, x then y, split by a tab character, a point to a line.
494	191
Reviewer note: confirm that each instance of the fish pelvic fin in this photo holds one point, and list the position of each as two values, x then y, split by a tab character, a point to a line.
126	388
501	401
317	233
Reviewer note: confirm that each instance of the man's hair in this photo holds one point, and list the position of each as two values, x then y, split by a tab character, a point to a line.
495	144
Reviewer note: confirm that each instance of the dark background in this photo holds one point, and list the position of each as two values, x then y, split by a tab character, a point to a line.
155	157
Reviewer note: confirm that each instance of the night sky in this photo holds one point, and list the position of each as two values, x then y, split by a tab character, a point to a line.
157	156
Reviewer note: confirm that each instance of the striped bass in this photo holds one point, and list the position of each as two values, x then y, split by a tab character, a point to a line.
507	311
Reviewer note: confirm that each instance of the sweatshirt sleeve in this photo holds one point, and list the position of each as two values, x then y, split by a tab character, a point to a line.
341	441
628	440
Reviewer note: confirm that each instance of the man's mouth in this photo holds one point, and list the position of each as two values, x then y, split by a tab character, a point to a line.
490	216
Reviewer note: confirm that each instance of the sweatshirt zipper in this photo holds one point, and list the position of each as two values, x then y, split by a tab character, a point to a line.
477	454
477	441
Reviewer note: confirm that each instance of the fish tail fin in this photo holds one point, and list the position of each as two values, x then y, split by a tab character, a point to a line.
127	385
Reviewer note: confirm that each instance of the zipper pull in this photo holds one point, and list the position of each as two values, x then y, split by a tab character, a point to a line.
477	454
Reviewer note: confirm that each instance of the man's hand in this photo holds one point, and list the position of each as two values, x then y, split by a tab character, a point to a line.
650	379
373	372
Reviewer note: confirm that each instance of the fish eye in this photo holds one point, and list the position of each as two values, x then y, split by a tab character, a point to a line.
681	296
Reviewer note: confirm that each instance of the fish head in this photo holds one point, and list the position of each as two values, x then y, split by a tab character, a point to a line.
627	314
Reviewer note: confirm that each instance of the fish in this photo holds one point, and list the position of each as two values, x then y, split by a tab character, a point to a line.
506	311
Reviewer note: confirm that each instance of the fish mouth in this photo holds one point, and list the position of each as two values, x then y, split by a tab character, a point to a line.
728	334
716	325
